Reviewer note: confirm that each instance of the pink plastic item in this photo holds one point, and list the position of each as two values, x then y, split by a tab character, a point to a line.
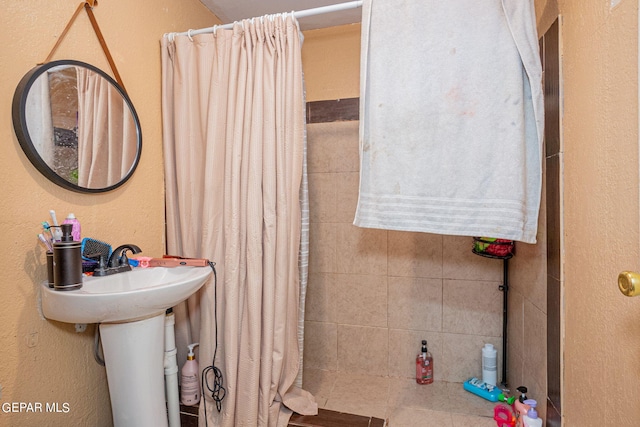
144	261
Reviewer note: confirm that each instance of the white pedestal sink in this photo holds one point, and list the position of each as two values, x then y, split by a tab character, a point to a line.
130	308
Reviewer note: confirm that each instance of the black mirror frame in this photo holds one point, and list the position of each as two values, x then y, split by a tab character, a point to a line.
20	125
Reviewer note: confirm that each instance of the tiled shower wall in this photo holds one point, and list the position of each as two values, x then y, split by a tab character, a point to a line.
373	295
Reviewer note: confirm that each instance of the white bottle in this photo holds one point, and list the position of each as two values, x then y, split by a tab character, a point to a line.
531	418
489	364
190	379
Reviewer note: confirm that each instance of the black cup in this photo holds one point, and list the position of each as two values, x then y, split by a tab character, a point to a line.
67	266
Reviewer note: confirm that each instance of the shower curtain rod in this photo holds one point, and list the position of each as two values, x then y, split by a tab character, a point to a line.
299	14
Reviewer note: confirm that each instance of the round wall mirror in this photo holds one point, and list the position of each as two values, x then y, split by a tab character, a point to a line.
77	126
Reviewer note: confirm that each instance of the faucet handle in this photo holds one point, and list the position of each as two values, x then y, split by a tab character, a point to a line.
102	269
119	255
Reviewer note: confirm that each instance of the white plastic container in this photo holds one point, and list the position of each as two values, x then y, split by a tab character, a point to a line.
190	379
531	419
489	364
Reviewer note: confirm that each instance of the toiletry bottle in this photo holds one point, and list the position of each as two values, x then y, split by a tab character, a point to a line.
190	379
531	418
489	364
67	262
75	231
521	406
424	366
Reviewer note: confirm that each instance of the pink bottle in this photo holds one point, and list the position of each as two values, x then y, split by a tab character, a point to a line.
424	366
75	230
521	405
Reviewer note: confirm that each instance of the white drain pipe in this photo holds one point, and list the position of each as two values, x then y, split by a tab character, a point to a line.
171	371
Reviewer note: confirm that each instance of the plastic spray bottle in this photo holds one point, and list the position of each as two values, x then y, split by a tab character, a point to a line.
75	231
190	379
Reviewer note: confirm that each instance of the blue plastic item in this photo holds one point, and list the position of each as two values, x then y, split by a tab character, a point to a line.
93	249
484	390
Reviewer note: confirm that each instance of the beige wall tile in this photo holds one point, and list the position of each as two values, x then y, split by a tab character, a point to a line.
515	373
404	346
462	420
535	346
360	394
320	345
415	254
360	250
363	349
463	356
361	388
363	408
322	197
361	300
346	196
468	403
347	153
433	401
415	303
320	303
458	262
528	273
322	247
321	148
409	394
415	417
333	147
472	307
515	324
319	383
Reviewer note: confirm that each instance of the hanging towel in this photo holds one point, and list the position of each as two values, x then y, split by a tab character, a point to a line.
451	118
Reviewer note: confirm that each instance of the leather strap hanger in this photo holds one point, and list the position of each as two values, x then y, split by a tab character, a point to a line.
88	6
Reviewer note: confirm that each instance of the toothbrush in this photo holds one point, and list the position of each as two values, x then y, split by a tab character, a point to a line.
53	217
47	228
46	242
57	233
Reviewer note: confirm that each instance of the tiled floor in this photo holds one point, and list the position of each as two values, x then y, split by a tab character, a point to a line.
400	401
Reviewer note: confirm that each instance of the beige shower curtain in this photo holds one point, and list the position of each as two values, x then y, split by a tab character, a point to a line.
233	132
107	134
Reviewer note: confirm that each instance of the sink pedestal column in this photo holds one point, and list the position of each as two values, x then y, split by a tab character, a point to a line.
134	358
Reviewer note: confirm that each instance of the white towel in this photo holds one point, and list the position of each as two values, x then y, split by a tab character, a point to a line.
451	118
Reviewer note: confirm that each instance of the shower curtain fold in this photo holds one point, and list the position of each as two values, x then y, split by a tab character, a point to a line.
107	135
234	129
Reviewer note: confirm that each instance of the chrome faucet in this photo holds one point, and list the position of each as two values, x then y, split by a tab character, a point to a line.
118	261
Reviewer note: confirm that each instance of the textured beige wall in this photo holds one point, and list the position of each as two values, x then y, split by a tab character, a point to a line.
600	131
331	62
45	361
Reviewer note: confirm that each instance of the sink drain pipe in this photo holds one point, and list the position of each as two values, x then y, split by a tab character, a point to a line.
171	370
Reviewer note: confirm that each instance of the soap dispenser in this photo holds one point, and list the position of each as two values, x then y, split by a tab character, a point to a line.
424	365
190	379
531	418
67	262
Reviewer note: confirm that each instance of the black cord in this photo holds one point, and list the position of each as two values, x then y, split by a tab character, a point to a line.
217	390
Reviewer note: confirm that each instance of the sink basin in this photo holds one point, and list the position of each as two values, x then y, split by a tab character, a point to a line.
124	297
130	308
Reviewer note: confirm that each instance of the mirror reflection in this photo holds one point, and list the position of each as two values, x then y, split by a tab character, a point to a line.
80	129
